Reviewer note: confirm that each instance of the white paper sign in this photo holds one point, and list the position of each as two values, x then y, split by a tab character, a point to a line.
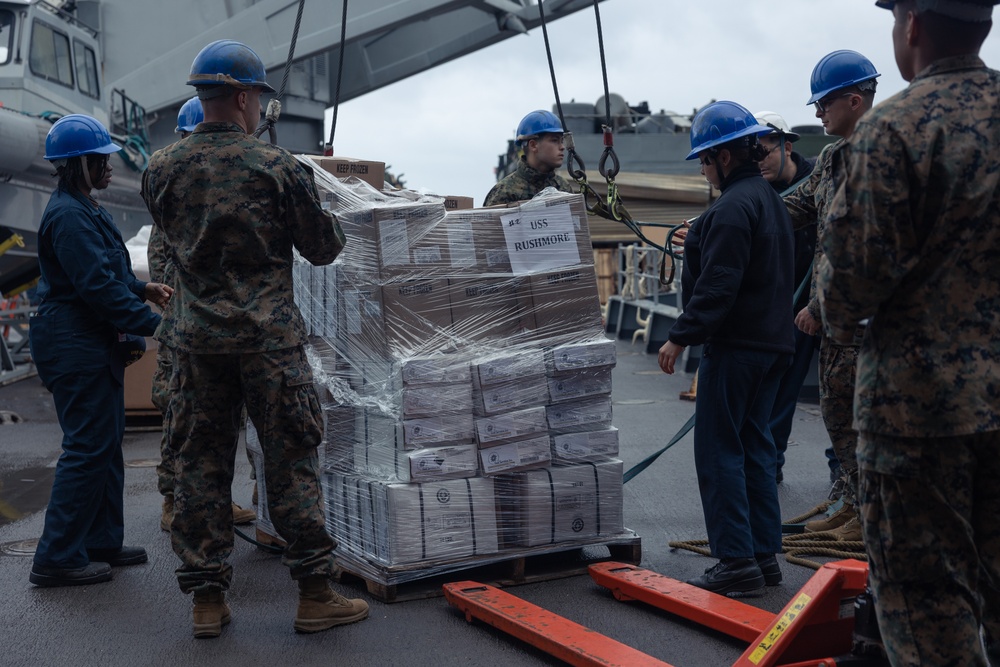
541	239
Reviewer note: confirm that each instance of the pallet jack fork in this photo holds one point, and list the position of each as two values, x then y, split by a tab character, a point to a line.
815	625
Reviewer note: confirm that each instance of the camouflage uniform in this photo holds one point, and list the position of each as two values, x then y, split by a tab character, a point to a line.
915	246
523	184
164	386
809	205
231	208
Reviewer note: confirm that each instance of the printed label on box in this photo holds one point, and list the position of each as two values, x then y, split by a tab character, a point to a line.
541	240
461	244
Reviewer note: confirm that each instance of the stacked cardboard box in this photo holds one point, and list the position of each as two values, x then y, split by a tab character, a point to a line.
466	377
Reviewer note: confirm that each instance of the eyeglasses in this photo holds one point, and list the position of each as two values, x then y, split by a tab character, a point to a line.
823	105
771	149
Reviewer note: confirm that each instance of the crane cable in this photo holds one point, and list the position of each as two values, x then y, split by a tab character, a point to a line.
340	72
274	106
612	207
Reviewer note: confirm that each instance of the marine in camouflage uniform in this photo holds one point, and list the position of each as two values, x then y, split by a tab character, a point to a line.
525	183
162	386
915	247
808	206
231	208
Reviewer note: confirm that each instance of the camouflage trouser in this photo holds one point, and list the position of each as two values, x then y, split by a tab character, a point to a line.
837	368
930	508
283	405
165	387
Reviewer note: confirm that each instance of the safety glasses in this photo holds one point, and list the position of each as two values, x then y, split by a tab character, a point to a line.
824	104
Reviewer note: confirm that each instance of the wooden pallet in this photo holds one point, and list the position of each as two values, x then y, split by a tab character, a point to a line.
521	567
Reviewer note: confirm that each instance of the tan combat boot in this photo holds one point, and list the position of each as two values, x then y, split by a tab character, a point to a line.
849	532
210	613
242	516
167	516
835	520
321	607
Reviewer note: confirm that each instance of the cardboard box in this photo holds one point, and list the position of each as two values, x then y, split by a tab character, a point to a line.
542	238
561	504
344	427
435	369
507	366
456	203
566	305
415	242
477	237
491	309
423	465
417	316
574	385
349	516
377	430
506	396
372	173
428	400
461	239
139	382
588	354
516	425
518	455
589	414
361	322
586	446
315	290
454	429
361	254
434	521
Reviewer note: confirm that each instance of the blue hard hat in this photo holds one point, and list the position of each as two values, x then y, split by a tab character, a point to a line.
190	115
537	123
227	62
970	11
721	122
837	70
77	134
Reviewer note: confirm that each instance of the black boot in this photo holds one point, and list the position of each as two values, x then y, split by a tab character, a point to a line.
768	565
732	577
866	636
93	573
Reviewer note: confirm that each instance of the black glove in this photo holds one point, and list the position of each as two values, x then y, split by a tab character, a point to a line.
131	348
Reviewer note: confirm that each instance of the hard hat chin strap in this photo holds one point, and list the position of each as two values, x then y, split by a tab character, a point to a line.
85	168
206	87
781	147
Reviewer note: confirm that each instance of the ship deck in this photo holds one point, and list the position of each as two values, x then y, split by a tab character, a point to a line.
141	618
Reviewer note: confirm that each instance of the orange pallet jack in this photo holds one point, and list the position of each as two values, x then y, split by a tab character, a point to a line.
817	624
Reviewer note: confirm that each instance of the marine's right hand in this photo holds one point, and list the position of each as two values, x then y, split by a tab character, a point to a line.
806	323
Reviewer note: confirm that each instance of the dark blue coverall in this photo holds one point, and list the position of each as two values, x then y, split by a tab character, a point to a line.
89	296
737	280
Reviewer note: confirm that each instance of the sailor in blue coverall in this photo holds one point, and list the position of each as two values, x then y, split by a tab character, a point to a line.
88	328
737	279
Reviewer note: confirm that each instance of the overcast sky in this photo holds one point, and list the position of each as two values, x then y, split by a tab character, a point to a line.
443	129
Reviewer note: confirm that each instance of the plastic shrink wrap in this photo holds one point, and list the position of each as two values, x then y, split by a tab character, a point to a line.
465	380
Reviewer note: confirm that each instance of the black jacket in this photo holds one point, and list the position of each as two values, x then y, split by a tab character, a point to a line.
737	277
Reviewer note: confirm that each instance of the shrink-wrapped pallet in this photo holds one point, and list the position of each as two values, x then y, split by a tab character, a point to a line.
459	352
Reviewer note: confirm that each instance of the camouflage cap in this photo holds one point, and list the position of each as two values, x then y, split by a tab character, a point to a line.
973	11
